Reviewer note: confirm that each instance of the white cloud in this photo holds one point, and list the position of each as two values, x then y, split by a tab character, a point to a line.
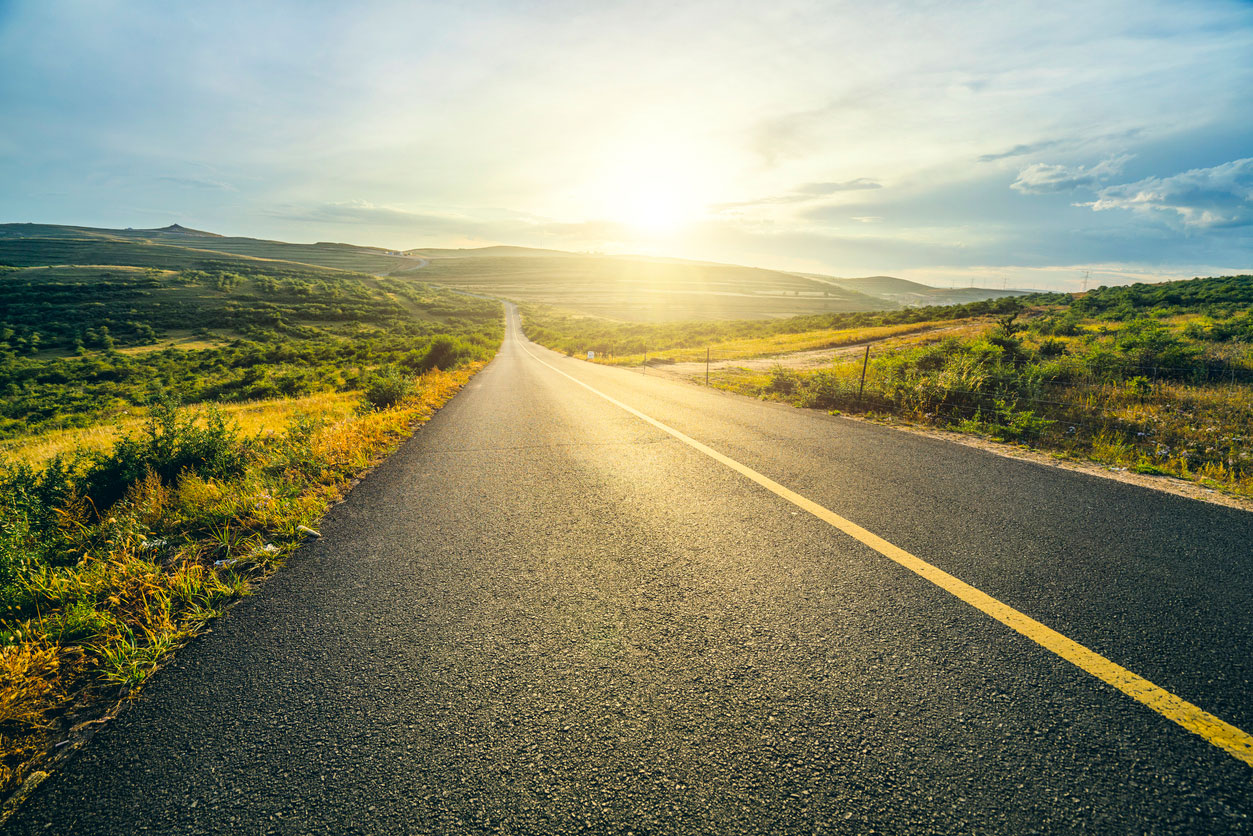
1221	196
1042	178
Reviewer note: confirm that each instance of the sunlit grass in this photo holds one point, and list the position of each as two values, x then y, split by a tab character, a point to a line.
253	418
1200	432
774	344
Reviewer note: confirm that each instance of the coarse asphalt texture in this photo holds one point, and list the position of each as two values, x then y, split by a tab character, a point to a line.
544	615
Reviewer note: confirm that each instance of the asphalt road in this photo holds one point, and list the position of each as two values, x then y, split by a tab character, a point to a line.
545	615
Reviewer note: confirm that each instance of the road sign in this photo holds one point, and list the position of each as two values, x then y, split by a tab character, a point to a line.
591	355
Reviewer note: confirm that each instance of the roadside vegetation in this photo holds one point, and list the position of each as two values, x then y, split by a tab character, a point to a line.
82	344
148	479
624	343
1156	379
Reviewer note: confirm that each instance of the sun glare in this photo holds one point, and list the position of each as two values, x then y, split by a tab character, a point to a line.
654	210
651	191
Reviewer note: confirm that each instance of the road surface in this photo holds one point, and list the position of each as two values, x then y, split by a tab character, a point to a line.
546	614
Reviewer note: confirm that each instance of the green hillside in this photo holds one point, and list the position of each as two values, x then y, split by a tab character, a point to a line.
81	245
80	343
641	289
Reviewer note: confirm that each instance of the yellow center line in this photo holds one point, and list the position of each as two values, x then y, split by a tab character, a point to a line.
1218	732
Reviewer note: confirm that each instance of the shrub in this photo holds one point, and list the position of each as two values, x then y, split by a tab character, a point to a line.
444	352
782	381
168	446
388	389
1052	348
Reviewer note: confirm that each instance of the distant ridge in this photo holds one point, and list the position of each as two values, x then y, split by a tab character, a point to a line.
904	292
177	229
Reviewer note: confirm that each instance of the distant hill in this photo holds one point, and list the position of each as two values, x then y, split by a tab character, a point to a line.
642	289
324	254
909	294
619	287
175	229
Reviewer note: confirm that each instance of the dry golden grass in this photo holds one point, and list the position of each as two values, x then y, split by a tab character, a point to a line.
29	689
182	340
255	417
782	344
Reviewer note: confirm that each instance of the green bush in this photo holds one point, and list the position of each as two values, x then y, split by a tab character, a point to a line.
444	352
388	389
1052	348
168	446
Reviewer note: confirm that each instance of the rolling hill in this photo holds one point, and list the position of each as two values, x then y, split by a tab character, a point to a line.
199	244
910	294
632	288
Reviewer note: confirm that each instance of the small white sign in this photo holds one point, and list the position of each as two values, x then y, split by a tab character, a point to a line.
591	355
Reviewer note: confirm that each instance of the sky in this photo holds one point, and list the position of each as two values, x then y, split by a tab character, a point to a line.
955	143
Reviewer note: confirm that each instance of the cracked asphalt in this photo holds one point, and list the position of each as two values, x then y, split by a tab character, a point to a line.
544	615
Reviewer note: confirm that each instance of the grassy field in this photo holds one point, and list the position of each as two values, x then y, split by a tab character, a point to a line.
755	347
128	521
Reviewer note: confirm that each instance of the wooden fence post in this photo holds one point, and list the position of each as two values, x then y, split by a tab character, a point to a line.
864	363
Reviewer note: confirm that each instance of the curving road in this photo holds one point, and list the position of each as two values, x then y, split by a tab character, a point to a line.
546	614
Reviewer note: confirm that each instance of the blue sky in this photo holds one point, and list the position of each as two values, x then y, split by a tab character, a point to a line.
947	142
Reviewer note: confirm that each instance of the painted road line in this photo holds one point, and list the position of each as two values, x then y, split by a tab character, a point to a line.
1220	733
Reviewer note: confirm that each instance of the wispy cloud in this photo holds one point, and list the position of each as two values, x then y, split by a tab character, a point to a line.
198	183
1217	197
805	193
1042	178
367	215
860	184
1021	150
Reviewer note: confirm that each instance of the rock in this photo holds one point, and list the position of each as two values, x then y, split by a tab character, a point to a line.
307	531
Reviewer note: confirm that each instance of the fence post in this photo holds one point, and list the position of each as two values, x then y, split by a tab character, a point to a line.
706	365
645	371
864	363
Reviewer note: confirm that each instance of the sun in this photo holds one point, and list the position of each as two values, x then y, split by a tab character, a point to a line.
654	210
651	191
